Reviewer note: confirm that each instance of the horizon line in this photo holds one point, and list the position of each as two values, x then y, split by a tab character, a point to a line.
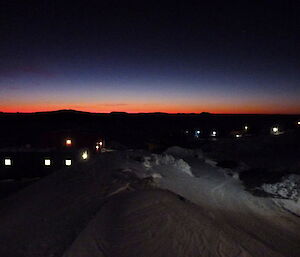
170	113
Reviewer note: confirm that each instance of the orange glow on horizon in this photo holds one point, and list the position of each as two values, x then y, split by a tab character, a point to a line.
155	107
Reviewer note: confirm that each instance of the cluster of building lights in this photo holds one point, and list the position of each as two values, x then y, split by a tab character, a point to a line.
274	131
198	132
99	145
47	161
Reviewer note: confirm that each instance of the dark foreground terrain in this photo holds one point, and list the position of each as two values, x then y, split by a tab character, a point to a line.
145	198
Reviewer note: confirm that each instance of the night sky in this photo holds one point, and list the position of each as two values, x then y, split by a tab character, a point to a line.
150	56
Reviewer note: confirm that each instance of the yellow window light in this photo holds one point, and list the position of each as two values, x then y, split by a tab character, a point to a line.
47	162
68	142
7	162
68	162
84	155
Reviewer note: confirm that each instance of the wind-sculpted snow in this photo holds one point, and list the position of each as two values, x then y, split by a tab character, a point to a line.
286	193
258	224
288	188
166	161
133	203
156	223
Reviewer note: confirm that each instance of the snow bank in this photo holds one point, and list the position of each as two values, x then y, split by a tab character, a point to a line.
289	205
161	161
288	188
286	192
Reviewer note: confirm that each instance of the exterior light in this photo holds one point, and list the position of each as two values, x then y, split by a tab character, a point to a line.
47	162
68	162
275	131
68	142
186	132
246	127
214	133
100	143
238	135
7	162
97	147
197	133
84	155
298	122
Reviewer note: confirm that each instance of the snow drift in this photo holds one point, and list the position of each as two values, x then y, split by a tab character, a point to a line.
286	193
157	162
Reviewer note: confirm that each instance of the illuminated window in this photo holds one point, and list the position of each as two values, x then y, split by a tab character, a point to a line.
68	142
84	155
68	162
47	162
7	162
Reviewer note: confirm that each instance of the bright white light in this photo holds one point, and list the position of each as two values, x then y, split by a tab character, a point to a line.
68	162
275	129
84	155
298	122
7	162
246	127
186	132
214	133
68	142
47	162
238	135
97	147
198	132
100	143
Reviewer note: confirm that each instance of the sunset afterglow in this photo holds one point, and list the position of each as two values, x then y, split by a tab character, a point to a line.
128	62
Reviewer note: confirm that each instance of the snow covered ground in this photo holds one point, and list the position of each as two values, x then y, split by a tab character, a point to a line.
191	208
286	193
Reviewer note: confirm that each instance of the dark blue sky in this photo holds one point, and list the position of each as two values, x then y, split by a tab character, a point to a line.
231	57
